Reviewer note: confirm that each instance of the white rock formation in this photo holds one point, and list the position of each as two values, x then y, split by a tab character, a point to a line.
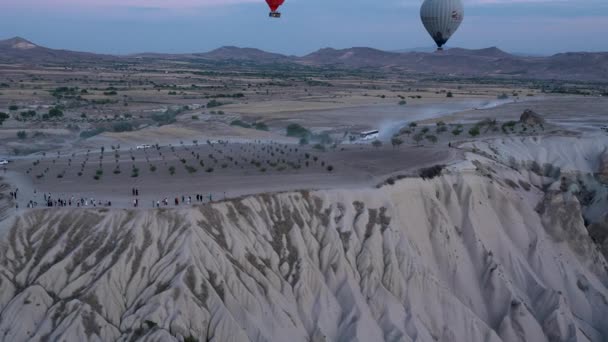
472	255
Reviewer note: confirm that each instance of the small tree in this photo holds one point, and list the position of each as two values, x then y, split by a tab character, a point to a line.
418	138
396	142
474	131
432	138
22	135
377	143
449	94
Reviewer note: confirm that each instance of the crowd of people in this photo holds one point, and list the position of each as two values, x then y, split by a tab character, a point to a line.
49	200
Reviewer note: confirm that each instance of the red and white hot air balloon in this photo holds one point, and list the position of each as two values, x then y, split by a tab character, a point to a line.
274	6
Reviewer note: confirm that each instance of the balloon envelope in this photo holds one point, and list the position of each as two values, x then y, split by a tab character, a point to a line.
274	4
441	18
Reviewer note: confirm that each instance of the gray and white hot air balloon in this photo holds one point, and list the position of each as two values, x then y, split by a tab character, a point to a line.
441	18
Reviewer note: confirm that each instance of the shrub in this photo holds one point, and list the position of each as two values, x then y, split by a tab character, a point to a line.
22	135
122	127
449	94
396	142
55	112
91	133
402	103
240	123
418	137
431	172
296	130
260	126
214	103
3	116
377	143
474	131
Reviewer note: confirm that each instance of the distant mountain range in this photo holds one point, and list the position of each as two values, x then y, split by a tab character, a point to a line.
489	62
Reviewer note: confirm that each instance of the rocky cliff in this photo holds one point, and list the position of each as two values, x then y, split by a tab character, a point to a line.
462	257
495	248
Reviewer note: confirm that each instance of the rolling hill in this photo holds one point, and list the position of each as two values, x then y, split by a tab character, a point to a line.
489	62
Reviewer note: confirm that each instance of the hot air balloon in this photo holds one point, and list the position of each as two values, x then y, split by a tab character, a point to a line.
441	19
274	6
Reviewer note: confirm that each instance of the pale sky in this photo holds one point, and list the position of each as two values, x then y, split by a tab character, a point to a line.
129	26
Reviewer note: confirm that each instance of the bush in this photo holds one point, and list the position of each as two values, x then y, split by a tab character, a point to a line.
28	114
22	135
55	112
194	117
260	126
3	116
13	107
449	94
418	137
240	123
474	131
402	103
431	172
166	118
122	127
396	142
214	103
432	138
91	133
298	131
377	143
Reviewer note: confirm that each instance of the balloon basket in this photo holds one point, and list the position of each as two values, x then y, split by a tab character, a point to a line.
274	14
